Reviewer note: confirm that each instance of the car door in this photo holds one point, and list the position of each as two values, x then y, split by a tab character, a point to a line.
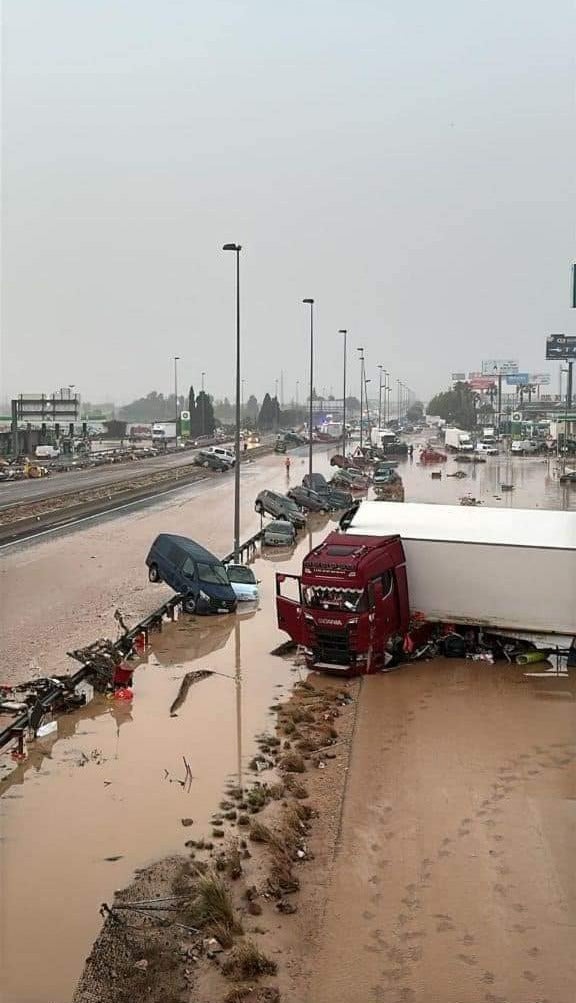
289	606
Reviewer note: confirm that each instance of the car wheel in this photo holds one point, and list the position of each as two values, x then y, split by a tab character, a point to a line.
153	573
190	605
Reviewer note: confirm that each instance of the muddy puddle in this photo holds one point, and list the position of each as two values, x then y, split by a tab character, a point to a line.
106	795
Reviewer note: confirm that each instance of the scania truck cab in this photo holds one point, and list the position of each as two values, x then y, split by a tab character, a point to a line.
349	604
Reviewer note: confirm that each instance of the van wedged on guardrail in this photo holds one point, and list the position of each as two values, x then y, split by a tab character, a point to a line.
399	574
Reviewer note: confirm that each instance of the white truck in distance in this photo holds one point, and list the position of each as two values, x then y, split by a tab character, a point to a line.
459	441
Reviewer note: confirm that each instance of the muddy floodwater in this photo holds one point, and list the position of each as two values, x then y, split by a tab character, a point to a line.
445	760
454	879
105	796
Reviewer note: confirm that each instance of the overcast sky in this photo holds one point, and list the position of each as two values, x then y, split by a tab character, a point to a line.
408	164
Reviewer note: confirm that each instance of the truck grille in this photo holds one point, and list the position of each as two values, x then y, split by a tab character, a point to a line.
332	646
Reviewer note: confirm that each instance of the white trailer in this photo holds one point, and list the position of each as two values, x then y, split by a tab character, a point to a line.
512	571
458	440
381	436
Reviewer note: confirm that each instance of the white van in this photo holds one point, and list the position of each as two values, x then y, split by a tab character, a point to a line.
46	452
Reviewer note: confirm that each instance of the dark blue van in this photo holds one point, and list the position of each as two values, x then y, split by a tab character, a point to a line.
193	572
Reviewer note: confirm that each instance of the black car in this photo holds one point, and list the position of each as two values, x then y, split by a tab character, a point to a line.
192	571
308	499
280	507
336	499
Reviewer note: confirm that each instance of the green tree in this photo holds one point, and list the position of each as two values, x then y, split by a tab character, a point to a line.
456	406
416	411
115	429
269	413
202	421
252	408
191	402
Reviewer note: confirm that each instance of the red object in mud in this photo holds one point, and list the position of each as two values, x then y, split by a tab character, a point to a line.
432	456
124	694
123	675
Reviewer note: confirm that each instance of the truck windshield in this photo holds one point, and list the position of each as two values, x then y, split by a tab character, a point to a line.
351	600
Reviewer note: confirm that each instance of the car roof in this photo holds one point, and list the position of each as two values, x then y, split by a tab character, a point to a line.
190	546
279	522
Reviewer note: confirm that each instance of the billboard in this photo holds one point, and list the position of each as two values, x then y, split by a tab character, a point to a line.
490	367
481	383
518	379
560	346
540	379
458	377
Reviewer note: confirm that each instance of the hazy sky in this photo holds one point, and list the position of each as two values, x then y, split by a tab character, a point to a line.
408	164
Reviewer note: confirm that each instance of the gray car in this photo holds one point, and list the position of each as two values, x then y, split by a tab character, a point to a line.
280	507
279	533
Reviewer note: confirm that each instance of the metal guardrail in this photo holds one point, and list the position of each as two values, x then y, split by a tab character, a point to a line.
59	687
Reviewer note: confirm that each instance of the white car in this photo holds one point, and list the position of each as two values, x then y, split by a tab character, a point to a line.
225	454
487	447
243	582
525	446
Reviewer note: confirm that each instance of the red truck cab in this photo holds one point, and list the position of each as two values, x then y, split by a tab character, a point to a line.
349	603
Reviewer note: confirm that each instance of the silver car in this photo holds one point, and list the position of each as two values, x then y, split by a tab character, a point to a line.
279	533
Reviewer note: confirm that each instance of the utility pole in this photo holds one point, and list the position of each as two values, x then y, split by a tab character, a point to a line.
345	333
310	303
237	248
380	398
361	351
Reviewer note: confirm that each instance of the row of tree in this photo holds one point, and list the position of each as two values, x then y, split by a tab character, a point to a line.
460	406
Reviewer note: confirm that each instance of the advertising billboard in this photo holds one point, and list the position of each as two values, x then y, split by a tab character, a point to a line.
458	377
495	366
540	379
560	346
481	383
518	379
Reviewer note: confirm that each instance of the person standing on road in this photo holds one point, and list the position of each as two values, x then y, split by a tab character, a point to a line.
287	466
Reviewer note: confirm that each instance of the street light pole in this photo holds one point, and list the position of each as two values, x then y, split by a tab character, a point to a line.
344	331
380	398
202	420
311	417
176	360
237	248
398	400
361	350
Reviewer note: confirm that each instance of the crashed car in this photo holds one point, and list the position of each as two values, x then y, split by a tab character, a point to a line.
279	533
336	498
307	499
243	581
280	507
211	461
346	478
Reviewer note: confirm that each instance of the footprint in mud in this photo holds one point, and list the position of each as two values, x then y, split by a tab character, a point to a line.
503	870
496	837
412	935
488	978
411	902
376	899
402	919
367	915
374	847
465	821
468	939
389	835
533	952
372	948
520	928
500	889
382	863
375	879
518	907
446	841
468	959
377	935
529	976
464	832
444	853
410	888
533	773
444	927
481	814
490	822
496	853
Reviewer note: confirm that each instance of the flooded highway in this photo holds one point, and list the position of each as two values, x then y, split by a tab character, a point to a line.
105	796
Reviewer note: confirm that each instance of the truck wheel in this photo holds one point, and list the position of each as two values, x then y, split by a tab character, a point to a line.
153	573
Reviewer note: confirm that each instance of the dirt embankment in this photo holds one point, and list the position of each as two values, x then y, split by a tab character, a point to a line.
218	924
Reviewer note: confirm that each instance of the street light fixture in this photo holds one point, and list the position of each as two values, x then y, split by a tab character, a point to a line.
311	304
344	331
237	248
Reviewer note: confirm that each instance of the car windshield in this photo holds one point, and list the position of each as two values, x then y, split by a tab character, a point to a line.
212	574
238	573
349	600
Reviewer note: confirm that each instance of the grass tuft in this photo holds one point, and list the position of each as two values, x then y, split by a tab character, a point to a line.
248	962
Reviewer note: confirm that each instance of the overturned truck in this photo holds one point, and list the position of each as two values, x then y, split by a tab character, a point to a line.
397	575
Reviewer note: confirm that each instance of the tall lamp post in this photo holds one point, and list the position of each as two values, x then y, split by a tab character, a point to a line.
202	420
361	351
311	416
381	368
237	248
368	422
176	361
345	333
